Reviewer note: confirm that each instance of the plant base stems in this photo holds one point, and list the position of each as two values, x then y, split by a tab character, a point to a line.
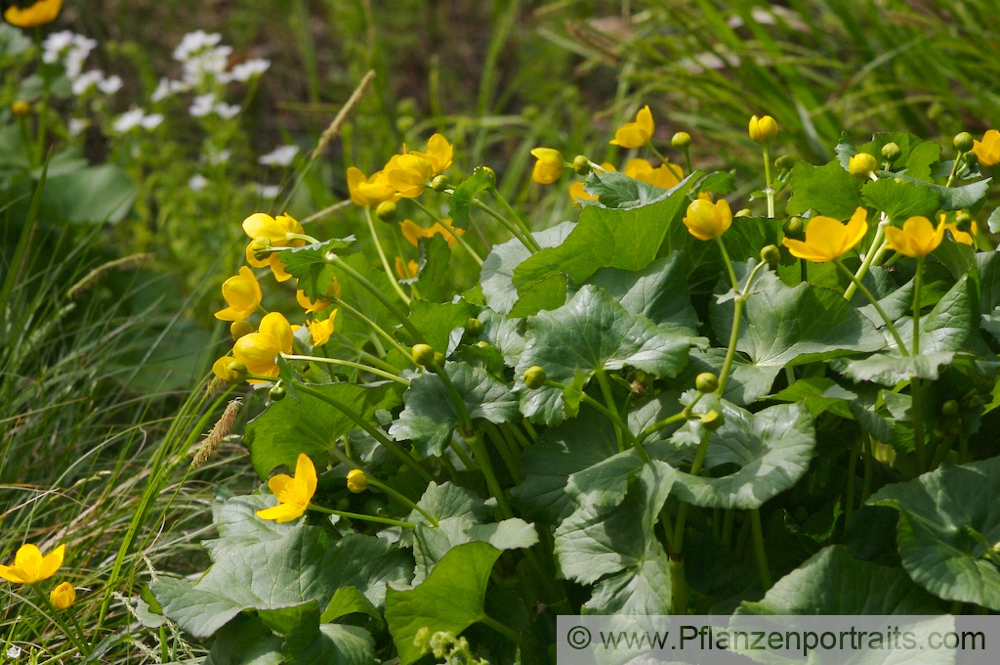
381	255
678	585
759	553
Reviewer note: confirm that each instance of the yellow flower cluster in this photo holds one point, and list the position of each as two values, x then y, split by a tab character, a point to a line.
404	176
31	567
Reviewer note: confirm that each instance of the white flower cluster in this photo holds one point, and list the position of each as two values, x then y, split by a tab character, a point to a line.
280	156
137	118
205	60
72	50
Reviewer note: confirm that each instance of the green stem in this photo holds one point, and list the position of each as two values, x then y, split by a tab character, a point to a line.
613	417
462	455
734	335
727	526
510	634
866	485
483	457
403	499
878	308
666	422
461	241
515	431
954	169
852	467
729	265
503	445
298	236
678	585
52	614
769	191
659	156
464	419
916	389
381	256
759	553
359	516
375	291
513	215
609	401
529	243
875	250
374	327
396	451
348	363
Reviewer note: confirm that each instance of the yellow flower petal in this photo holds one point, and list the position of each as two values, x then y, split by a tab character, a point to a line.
40	13
243	295
63	596
917	238
636	134
293	494
549	167
31	567
988	150
827	238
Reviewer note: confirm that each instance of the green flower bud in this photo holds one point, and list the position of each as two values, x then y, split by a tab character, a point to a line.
581	164
386	211
237	367
742	212
439	183
534	377
681	141
950	409
785	162
261	248
794	228
423	355
491	175
891	152
963	142
483	344
240	328
277	393
862	164
963	221
770	255
439	359
712	420
971	159
706	382
473	327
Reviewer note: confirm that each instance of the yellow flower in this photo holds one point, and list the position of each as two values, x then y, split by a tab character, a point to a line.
665	175
413	233
31	567
861	164
988	150
357	481
706	220
918	237
763	130
827	238
549	166
275	230
320	331
242	294
406	270
369	191
960	235
579	194
636	134
221	368
439	153
63	596
258	350
409	174
293	494
40	13
321	304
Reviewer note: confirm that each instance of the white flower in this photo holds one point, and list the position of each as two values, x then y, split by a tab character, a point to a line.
86	81
110	85
227	111
208	63
217	156
136	117
266	191
246	70
280	156
76	126
193	42
55	44
202	105
14	651
128	120
198	182
162	91
151	121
